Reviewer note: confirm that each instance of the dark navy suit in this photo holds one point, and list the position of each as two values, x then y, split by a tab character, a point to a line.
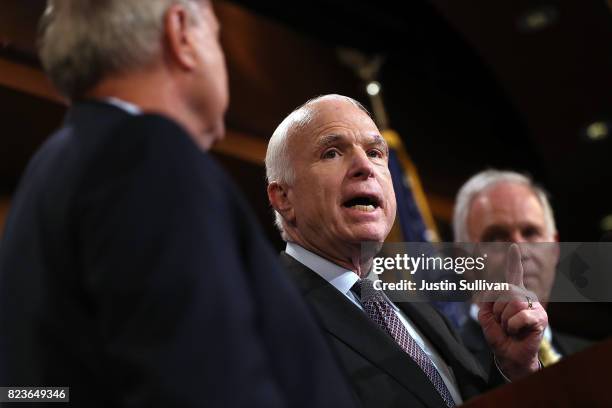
132	270
380	372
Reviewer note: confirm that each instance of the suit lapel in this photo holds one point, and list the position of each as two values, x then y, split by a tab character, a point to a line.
472	336
343	320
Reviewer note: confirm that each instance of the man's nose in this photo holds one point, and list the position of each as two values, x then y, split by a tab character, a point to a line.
361	165
517	237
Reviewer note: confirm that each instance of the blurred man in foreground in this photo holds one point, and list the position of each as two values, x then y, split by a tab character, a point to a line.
131	269
329	182
504	206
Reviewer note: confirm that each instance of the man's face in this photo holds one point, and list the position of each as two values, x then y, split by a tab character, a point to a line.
511	212
210	86
342	193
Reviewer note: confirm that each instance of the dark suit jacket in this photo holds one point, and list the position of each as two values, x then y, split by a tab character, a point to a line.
474	340
381	373
132	271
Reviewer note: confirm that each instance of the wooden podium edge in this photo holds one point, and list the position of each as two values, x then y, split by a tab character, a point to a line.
580	380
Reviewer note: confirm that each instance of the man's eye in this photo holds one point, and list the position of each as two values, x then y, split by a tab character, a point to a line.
375	153
496	237
531	232
330	154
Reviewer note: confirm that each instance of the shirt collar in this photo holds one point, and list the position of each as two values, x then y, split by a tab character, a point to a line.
124	105
339	277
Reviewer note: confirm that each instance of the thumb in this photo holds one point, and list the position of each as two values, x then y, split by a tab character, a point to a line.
514	267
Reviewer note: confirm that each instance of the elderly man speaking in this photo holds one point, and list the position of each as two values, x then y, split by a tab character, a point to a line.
329	183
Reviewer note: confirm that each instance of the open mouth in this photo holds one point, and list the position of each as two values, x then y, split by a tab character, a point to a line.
362	203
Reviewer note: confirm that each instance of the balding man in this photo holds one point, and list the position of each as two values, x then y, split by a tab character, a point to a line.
131	269
329	183
505	206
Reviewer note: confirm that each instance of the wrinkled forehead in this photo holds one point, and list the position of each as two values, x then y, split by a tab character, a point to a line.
332	119
339	109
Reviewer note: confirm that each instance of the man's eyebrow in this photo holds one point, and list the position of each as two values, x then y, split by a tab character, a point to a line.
332	139
494	231
378	140
327	140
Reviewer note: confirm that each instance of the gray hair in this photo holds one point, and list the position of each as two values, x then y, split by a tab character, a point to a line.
82	41
489	178
278	161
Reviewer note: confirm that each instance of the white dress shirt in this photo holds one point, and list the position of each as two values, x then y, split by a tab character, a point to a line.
343	280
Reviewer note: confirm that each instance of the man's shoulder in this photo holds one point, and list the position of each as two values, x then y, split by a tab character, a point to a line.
102	153
144	135
302	276
290	262
309	283
96	129
147	146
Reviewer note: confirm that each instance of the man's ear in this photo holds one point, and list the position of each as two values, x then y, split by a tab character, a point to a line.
179	34
279	199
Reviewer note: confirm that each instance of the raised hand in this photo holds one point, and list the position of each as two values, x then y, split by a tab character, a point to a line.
513	322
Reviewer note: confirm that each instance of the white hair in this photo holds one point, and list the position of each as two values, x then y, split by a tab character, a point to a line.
483	181
82	41
278	158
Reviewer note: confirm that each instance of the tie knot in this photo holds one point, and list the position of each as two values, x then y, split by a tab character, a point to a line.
364	289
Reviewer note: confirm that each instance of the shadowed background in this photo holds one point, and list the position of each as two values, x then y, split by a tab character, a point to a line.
512	84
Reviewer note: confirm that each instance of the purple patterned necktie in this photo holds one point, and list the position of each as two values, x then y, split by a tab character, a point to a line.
381	312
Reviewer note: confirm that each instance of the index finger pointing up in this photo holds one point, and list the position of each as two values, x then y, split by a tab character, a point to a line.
514	267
